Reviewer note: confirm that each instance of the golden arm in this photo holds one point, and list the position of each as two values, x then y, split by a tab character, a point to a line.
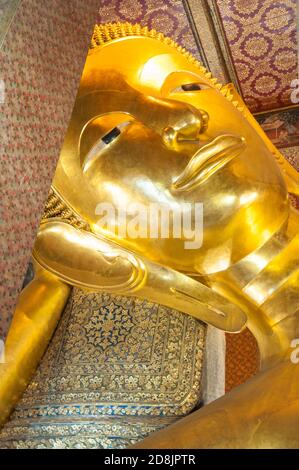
37	313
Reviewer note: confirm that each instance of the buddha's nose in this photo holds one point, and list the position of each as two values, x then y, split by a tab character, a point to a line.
186	130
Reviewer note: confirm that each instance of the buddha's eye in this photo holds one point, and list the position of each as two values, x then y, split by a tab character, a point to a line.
190	87
108	138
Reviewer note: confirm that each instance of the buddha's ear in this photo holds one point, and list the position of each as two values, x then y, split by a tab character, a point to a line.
291	176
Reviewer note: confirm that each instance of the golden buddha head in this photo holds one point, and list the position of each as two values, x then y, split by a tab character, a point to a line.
150	125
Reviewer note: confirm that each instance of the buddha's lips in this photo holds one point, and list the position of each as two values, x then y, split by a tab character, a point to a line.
209	159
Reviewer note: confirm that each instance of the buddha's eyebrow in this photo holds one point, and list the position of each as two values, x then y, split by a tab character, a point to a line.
102	143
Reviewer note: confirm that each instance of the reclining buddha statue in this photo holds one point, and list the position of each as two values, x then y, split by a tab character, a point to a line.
132	290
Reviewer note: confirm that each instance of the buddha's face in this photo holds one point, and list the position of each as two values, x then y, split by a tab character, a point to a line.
150	127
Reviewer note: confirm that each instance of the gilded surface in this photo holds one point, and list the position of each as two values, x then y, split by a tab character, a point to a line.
117	369
187	139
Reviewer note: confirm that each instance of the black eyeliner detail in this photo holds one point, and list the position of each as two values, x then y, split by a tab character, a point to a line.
191	87
108	138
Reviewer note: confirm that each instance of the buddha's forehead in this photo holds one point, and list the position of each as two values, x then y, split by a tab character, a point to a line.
145	64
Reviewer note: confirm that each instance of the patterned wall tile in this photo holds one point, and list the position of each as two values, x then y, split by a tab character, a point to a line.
7	11
41	62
